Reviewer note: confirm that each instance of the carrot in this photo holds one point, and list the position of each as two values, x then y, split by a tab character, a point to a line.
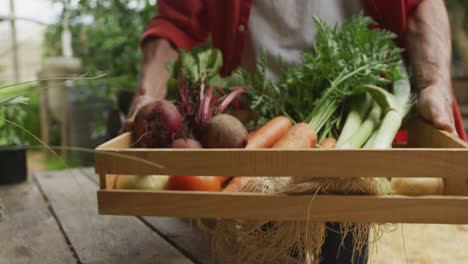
277	130
301	135
250	135
236	184
328	143
267	135
225	180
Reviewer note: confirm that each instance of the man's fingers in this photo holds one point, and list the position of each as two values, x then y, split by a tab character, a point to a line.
436	110
440	119
128	125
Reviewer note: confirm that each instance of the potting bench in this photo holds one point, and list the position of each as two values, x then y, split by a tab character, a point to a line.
53	218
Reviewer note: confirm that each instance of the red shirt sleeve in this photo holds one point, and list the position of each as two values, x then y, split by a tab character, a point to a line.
392	15
182	22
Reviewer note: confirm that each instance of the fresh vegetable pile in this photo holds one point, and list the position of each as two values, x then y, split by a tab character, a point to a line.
351	91
197	119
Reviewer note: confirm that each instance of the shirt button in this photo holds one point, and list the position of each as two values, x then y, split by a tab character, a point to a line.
241	28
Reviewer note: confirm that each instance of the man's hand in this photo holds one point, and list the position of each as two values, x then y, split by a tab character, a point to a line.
429	49
138	102
157	53
435	104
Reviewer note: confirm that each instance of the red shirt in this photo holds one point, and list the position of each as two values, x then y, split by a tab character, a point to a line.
188	23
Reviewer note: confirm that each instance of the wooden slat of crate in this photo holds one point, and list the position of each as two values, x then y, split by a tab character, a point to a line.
424	135
438	154
390	209
445	157
445	163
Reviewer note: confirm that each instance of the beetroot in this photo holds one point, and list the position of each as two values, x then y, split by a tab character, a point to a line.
186	143
157	124
224	131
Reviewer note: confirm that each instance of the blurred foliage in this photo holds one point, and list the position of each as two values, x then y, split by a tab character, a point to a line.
54	163
105	35
459	28
24	115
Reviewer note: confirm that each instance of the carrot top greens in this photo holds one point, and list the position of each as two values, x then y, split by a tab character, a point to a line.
316	90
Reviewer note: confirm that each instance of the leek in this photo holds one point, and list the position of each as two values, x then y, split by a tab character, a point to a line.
364	132
359	108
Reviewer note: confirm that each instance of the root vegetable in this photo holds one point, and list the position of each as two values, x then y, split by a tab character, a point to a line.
224	131
300	135
267	135
249	136
195	183
157	123
186	143
149	182
328	143
418	186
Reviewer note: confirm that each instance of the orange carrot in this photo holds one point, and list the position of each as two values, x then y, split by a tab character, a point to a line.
277	133
267	135
224	179
251	135
236	184
298	136
301	135
328	143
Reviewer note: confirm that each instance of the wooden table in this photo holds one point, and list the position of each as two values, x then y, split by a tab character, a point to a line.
53	218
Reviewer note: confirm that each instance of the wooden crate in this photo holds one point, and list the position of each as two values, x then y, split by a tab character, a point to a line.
429	153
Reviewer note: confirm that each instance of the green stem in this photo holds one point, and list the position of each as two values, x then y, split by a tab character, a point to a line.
371	140
359	108
339	80
387	130
365	130
328	105
394	117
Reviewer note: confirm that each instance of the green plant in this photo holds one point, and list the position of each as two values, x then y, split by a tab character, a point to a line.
55	163
105	36
13	107
459	27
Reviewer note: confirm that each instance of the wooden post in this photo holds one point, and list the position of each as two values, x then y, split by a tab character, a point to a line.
14	44
43	112
57	93
64	125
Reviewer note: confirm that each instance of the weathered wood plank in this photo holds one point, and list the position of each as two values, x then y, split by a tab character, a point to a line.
30	233
122	141
438	155
421	134
181	232
185	234
101	239
447	163
330	208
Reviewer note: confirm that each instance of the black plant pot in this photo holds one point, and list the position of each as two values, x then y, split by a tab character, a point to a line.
13	168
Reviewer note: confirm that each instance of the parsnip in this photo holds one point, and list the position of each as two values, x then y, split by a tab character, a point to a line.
151	182
417	186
